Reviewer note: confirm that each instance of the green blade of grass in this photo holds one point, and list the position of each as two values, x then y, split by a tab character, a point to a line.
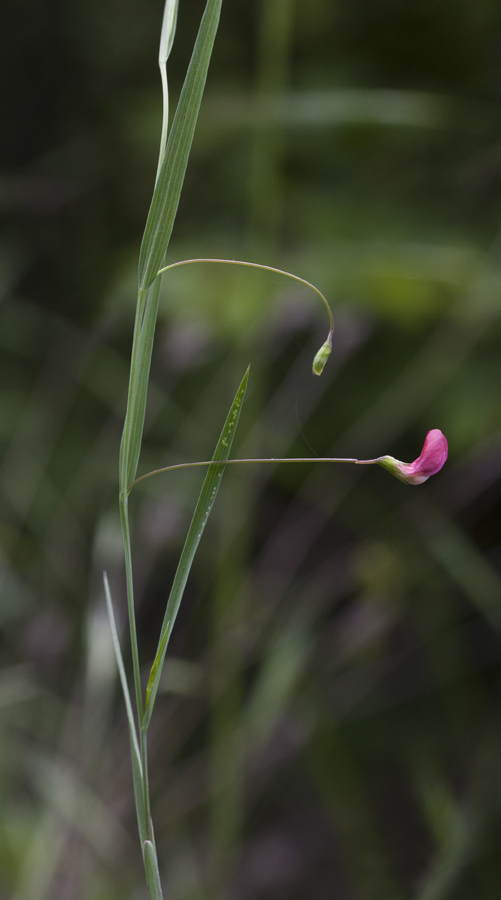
137	773
205	503
167	191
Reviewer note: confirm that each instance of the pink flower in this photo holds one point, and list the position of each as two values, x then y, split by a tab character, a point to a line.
429	462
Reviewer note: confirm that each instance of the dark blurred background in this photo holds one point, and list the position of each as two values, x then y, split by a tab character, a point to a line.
329	725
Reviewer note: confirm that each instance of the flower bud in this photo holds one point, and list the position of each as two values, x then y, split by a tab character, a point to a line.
429	462
322	357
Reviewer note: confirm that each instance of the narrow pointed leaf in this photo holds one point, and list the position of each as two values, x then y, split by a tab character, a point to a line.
167	191
205	503
155	666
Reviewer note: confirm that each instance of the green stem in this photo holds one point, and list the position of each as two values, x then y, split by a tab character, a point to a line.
124	518
127	429
230	462
252	265
144	765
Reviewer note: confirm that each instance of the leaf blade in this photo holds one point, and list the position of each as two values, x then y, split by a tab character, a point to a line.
203	508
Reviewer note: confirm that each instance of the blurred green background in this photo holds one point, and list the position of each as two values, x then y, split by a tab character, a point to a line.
329	727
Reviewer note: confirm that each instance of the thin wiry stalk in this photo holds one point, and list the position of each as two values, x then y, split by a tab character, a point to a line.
233	462
253	265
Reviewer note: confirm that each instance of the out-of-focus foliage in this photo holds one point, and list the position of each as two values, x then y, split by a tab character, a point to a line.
330	725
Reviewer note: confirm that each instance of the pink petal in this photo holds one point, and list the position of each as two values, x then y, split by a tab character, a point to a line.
431	459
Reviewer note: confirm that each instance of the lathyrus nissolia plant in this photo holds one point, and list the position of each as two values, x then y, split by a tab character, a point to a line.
175	147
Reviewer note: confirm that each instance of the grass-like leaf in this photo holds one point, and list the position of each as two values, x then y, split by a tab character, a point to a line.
205	503
137	773
170	180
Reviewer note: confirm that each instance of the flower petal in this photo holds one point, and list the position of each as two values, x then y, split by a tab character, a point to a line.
429	462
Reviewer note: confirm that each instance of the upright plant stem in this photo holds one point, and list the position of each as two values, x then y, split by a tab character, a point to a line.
124	518
144	762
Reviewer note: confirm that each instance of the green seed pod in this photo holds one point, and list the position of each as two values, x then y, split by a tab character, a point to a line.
322	357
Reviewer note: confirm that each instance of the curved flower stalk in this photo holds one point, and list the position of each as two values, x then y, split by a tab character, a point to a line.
429	462
325	350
